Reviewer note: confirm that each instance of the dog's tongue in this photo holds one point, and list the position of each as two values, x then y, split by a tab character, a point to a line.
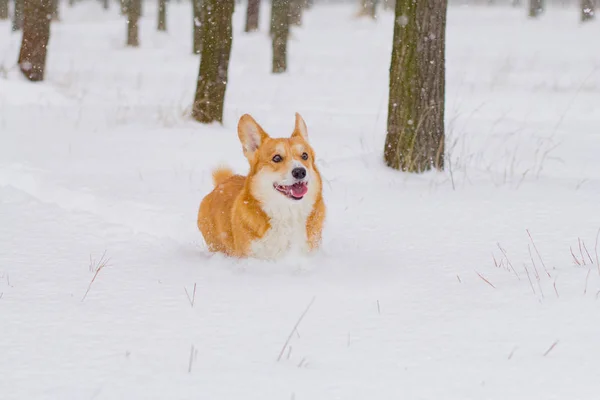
298	189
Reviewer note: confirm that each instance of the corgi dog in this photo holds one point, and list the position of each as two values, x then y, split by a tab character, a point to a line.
276	208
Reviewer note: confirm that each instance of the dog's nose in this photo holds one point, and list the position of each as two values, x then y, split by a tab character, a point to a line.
299	173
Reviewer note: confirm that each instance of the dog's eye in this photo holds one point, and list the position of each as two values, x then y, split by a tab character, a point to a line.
304	156
277	158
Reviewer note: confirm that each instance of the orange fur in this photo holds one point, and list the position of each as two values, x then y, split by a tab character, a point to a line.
220	175
245	216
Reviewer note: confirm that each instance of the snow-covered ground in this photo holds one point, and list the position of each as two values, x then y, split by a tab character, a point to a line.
412	296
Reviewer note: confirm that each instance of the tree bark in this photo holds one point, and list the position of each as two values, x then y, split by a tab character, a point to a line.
214	64
296	7
162	15
415	126
198	21
536	7
17	23
587	10
55	10
134	10
281	29
3	9
252	15
34	43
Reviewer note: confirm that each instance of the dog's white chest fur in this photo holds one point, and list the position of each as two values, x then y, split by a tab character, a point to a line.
287	232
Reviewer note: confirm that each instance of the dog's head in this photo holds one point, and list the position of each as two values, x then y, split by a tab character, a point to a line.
282	170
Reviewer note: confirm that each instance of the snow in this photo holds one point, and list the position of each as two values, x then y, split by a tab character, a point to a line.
102	158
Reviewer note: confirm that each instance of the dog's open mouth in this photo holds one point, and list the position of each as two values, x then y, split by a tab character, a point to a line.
295	191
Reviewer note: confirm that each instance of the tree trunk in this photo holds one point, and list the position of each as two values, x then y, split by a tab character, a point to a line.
536	7
273	12
368	8
106	4
34	44
17	23
3	9
415	126
162	15
296	12
587	10
198	21
214	64
134	10
281	27
55	10
252	15
388	4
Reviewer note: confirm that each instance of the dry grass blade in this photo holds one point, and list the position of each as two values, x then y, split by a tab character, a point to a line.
550	348
574	257
99	267
295	327
193	298
581	252
529	278
192	354
485	280
587	277
537	275
596	251
555	290
538	253
495	261
587	252
508	261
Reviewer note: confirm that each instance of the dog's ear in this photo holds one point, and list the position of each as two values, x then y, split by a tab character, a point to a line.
300	128
251	135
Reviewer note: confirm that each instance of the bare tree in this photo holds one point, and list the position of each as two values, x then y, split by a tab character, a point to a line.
34	43
198	23
389	4
252	15
415	126
368	8
17	22
280	22
296	8
3	9
55	10
587	10
214	64
162	15
134	11
536	8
